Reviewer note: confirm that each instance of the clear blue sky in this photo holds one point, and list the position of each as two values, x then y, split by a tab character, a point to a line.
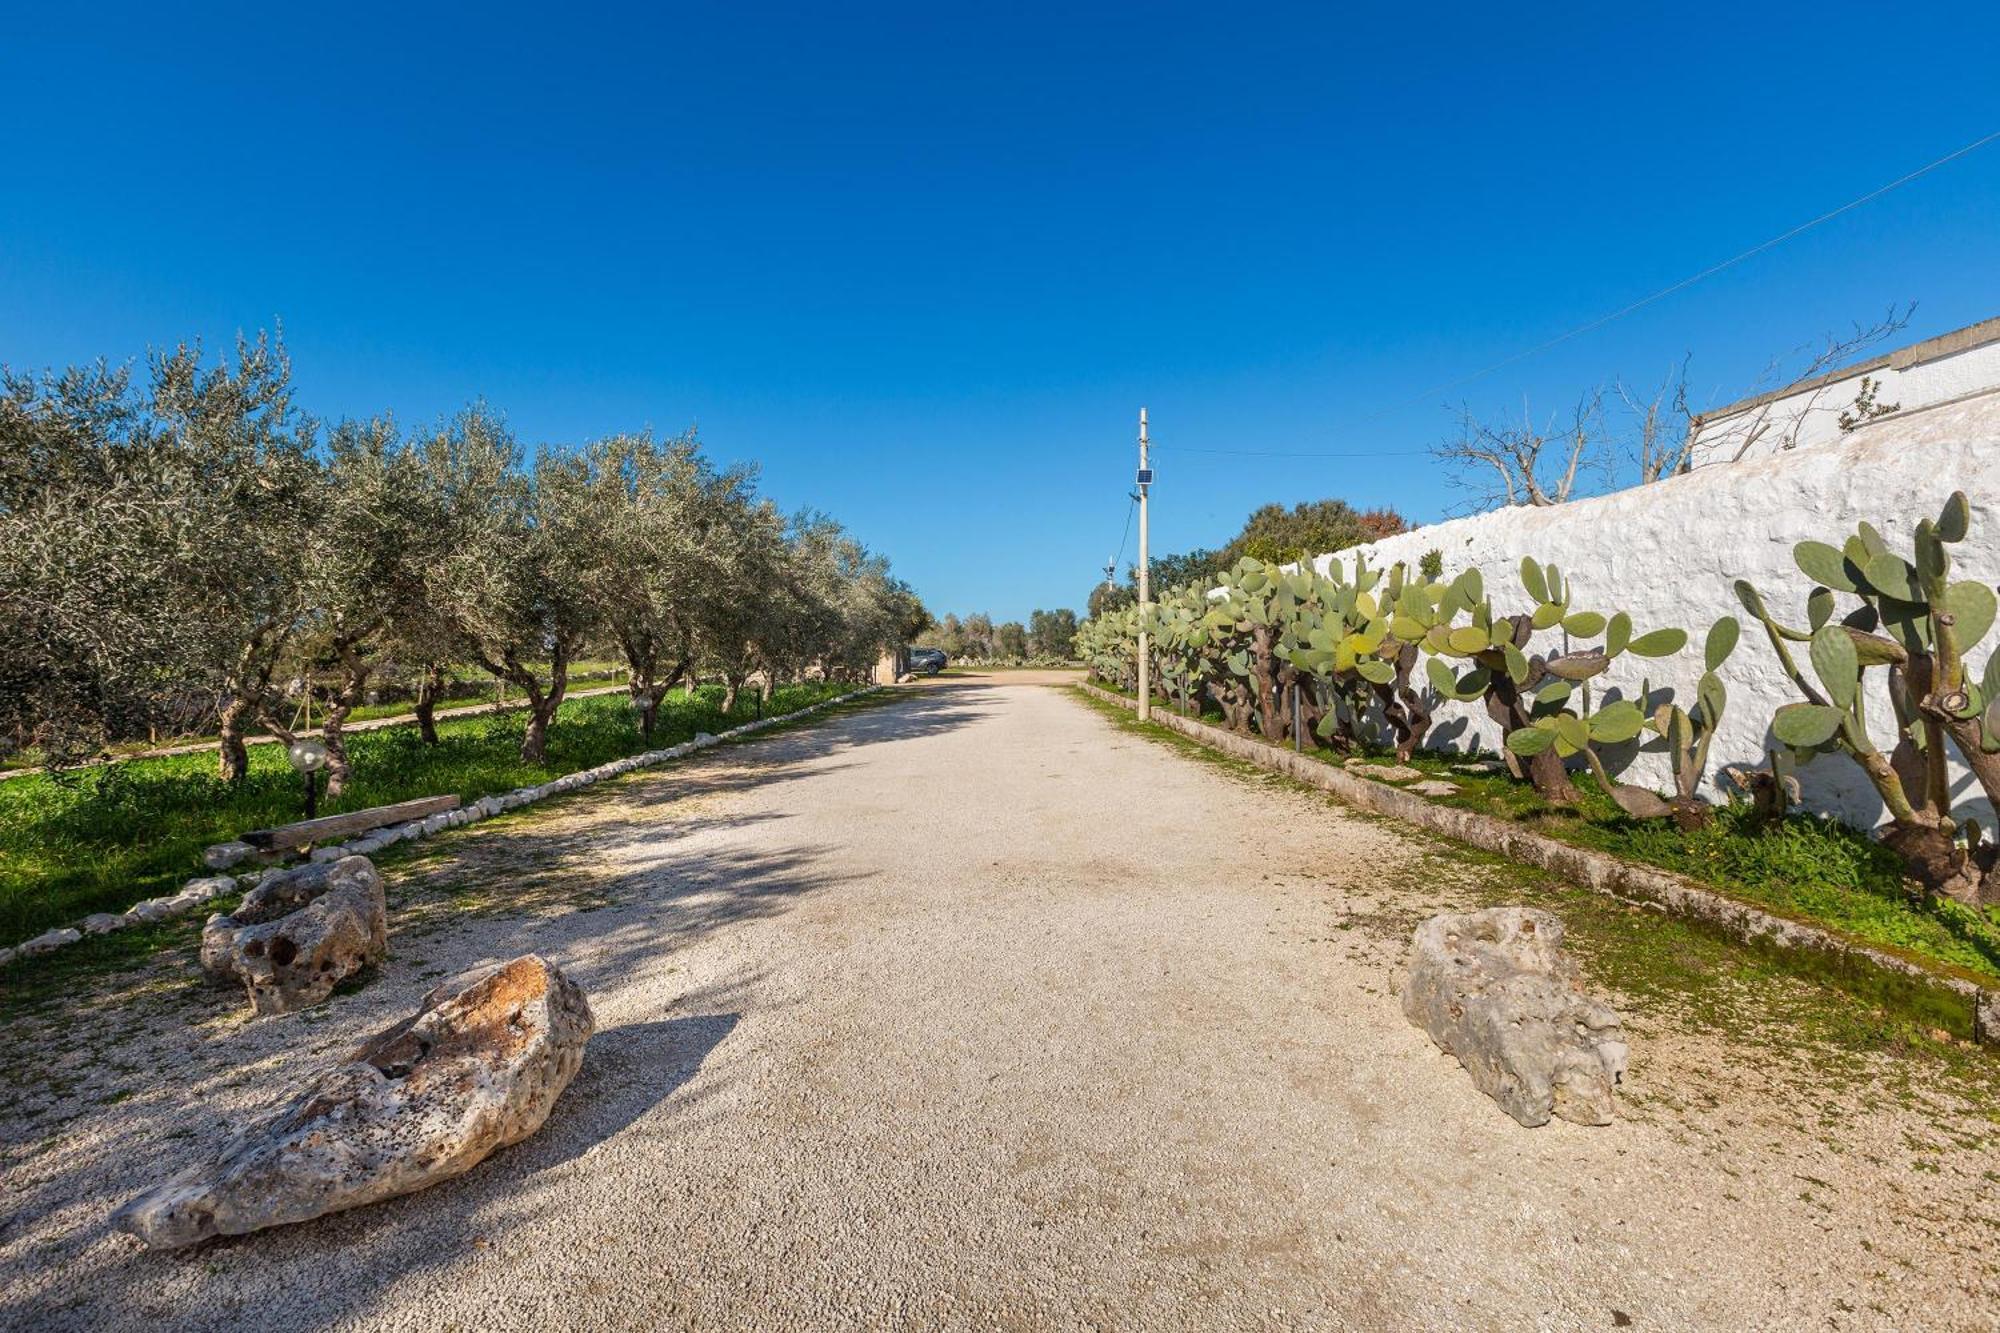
924	262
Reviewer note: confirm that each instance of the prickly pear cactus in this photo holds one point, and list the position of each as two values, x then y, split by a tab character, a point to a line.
1914	625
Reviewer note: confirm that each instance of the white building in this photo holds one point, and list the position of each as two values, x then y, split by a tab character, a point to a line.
1925	375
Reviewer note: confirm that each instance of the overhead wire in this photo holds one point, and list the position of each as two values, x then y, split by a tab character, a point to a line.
1602	320
1130	508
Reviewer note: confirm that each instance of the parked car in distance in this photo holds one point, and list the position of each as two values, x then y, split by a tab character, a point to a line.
926	661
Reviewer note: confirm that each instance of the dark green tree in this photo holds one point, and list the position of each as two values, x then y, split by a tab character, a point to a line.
1275	534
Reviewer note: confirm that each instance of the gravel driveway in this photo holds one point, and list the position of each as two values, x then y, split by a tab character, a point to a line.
973	1010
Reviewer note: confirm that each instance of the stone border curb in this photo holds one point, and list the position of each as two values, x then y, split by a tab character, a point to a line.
1600	872
199	891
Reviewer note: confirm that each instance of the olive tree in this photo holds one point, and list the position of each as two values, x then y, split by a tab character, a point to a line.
664	519
749	609
90	526
366	549
238	457
511	585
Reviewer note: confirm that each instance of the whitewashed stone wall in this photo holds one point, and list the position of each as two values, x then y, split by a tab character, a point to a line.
1914	378
1669	552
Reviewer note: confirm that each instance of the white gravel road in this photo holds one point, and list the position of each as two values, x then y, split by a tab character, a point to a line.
972	1011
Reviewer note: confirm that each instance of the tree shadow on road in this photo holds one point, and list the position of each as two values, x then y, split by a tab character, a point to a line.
629	1073
610	883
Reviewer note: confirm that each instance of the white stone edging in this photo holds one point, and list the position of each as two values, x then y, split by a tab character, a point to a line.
206	888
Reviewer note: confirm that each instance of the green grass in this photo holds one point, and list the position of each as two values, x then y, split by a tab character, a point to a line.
101	839
465	688
1808	868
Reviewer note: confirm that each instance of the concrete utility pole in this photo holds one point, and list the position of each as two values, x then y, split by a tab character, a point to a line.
1145	580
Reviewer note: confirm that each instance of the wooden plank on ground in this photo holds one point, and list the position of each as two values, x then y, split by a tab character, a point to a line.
333	827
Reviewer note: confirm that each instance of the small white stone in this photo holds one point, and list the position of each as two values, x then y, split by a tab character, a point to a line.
213	886
48	941
226	854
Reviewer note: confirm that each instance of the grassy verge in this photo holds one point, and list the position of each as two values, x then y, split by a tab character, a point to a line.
465	689
1809	869
1670	971
100	840
51	981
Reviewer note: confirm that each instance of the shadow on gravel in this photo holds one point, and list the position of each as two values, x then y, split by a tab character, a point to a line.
612	896
626	1073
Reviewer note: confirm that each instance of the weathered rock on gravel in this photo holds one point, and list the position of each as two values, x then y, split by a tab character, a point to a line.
298	934
1495	989
476	1068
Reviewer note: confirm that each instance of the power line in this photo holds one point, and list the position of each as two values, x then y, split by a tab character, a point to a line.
1287	453
1130	508
1687	282
1600	321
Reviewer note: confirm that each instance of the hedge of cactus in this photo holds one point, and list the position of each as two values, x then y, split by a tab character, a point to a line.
1359	657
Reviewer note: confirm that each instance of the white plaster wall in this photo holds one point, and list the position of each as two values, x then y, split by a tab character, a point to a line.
1668	553
1811	418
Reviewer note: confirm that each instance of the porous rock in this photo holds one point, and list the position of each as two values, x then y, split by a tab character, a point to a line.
476	1068
298	935
1434	787
1496	989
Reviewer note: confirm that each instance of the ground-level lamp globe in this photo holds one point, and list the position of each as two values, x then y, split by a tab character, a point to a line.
308	757
642	703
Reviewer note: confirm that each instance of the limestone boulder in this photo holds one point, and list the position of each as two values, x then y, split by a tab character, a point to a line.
1496	989
299	934
476	1068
